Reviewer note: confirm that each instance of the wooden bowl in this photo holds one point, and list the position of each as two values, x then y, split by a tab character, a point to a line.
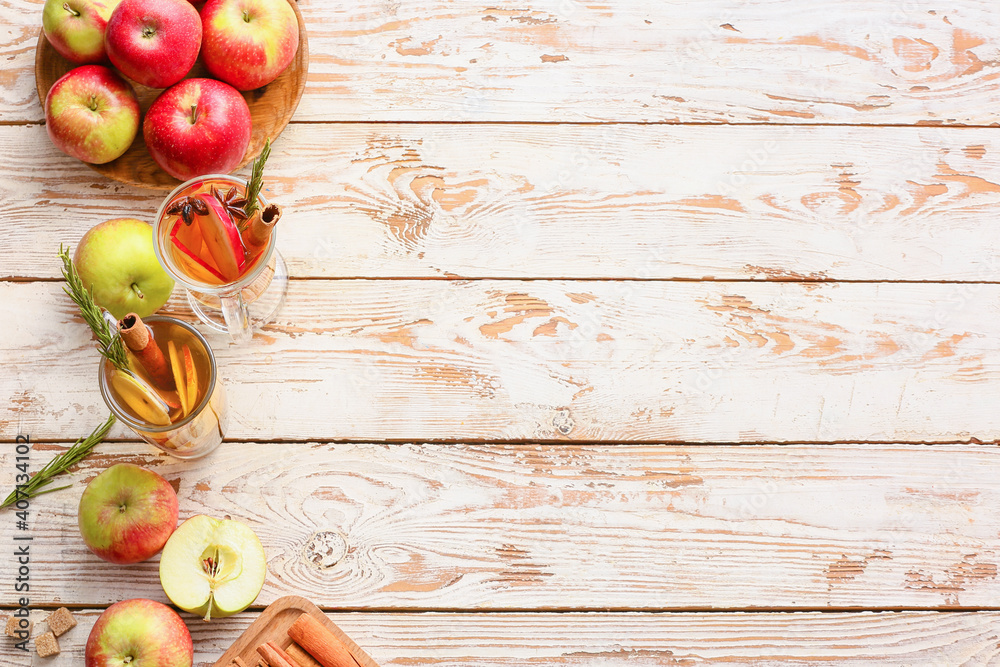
271	107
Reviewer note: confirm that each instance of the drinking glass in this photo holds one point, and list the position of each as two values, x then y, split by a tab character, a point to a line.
191	433
238	306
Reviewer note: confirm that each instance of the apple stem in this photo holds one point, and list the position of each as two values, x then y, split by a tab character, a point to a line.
93	103
246	16
70	9
194	114
138	292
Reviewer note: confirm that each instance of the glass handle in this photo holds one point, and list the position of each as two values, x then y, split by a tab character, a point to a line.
237	316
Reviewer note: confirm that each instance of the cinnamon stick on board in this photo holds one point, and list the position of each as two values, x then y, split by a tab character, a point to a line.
320	643
274	656
136	337
300	656
258	229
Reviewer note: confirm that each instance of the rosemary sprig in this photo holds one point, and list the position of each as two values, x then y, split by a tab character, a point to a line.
58	465
110	346
256	180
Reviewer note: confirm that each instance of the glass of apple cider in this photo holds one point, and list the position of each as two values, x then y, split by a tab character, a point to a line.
181	409
235	279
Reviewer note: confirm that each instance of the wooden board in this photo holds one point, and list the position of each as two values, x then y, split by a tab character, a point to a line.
715	61
619	640
562	361
531	202
271	107
563	527
272	626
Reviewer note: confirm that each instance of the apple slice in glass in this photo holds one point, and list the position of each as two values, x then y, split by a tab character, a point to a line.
187	239
212	567
222	238
141	399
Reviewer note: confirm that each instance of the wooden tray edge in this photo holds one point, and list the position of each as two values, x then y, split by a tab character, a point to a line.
259	628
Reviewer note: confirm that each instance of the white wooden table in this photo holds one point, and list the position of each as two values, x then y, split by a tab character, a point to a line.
633	333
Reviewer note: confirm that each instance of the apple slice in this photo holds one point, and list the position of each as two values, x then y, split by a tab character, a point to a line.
178	371
187	243
191	374
212	567
141	399
222	238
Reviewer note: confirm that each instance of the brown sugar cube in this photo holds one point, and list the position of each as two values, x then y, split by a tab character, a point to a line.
60	621
46	645
13	627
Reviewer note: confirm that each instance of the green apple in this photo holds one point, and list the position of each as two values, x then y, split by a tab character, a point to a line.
127	513
213	567
116	260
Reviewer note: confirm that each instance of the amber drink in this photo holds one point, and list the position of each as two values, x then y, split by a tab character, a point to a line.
169	394
226	259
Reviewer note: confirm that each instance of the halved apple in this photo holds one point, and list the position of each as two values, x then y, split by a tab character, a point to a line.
213	567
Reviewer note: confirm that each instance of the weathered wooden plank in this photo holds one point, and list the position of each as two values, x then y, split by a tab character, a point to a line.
857	61
567	360
572	201
565	527
578	640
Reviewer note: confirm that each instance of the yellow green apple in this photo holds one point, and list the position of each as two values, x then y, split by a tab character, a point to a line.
116	260
213	567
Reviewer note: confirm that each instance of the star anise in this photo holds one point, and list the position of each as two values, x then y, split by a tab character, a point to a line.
187	208
232	202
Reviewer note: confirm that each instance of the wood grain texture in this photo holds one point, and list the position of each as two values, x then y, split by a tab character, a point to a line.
857	61
594	202
610	640
565	527
562	360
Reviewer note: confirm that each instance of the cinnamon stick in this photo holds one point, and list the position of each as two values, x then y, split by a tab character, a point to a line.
136	337
320	643
259	227
274	656
301	657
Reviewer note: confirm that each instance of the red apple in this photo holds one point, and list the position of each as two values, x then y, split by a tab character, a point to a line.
127	513
75	28
154	42
200	126
92	114
248	43
139	633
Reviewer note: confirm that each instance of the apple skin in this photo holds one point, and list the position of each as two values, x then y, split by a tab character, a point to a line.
200	126
116	260
92	114
139	633
75	28
127	513
154	42
242	567
248	43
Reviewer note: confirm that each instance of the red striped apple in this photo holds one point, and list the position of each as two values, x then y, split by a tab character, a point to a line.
248	43
154	42
75	28
92	114
139	633
127	513
200	126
